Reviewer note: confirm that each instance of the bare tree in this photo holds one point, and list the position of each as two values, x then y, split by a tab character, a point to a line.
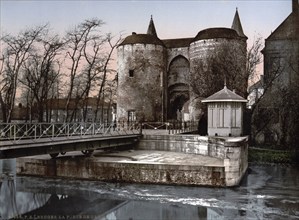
230	62
224	63
105	70
78	42
276	112
16	52
41	71
2	103
33	59
253	59
94	62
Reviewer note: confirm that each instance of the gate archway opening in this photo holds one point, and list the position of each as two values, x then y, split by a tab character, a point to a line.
177	86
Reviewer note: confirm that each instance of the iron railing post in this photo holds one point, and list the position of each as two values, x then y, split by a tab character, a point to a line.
14	135
34	131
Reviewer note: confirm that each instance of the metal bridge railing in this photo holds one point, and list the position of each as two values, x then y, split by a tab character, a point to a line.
171	127
35	131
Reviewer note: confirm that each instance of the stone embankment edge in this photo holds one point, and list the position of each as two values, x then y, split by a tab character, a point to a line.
131	172
233	150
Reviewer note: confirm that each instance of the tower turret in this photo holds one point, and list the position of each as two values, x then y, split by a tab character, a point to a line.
141	71
151	28
237	26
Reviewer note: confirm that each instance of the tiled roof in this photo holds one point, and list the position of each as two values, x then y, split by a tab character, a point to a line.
212	33
225	95
288	29
142	39
175	43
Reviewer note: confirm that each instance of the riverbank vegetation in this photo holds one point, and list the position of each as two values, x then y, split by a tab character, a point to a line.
262	155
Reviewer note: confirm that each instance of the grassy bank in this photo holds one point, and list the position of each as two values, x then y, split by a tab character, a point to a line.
262	155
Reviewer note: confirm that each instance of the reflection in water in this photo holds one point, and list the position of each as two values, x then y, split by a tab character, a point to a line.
8	206
266	193
12	202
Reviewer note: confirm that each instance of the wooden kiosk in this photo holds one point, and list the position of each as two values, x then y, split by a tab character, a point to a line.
225	113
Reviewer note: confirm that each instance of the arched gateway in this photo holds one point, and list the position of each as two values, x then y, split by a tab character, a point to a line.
178	85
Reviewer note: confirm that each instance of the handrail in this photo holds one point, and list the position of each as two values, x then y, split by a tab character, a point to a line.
172	127
35	131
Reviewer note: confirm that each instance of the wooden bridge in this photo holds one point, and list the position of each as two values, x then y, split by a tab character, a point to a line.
28	139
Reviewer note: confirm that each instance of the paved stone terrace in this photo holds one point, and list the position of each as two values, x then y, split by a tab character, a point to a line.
143	156
159	157
138	166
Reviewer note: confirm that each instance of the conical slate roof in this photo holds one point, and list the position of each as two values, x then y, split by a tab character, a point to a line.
237	26
225	95
151	28
149	38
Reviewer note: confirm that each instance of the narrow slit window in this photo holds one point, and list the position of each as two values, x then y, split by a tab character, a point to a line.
131	73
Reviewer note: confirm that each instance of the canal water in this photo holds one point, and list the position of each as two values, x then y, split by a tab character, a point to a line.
266	192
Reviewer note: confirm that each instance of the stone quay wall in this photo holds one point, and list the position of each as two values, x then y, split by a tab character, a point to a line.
233	150
93	169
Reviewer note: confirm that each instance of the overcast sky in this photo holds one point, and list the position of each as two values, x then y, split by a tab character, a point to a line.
173	19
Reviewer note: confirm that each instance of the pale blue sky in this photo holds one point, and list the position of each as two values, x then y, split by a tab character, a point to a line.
173	19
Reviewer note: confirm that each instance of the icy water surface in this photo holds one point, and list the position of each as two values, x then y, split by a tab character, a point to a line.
267	192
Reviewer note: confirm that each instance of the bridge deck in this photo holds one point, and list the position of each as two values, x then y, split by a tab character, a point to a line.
26	139
61	140
30	147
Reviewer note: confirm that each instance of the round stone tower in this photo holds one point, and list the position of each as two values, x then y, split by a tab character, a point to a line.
211	47
211	42
155	77
141	68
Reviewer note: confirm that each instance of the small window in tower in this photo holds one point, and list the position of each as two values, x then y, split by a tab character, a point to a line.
131	73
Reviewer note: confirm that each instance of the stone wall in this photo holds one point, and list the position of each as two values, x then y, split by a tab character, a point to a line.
172	53
92	169
141	69
234	151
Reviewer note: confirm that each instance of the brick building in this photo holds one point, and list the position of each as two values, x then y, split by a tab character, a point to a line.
81	111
